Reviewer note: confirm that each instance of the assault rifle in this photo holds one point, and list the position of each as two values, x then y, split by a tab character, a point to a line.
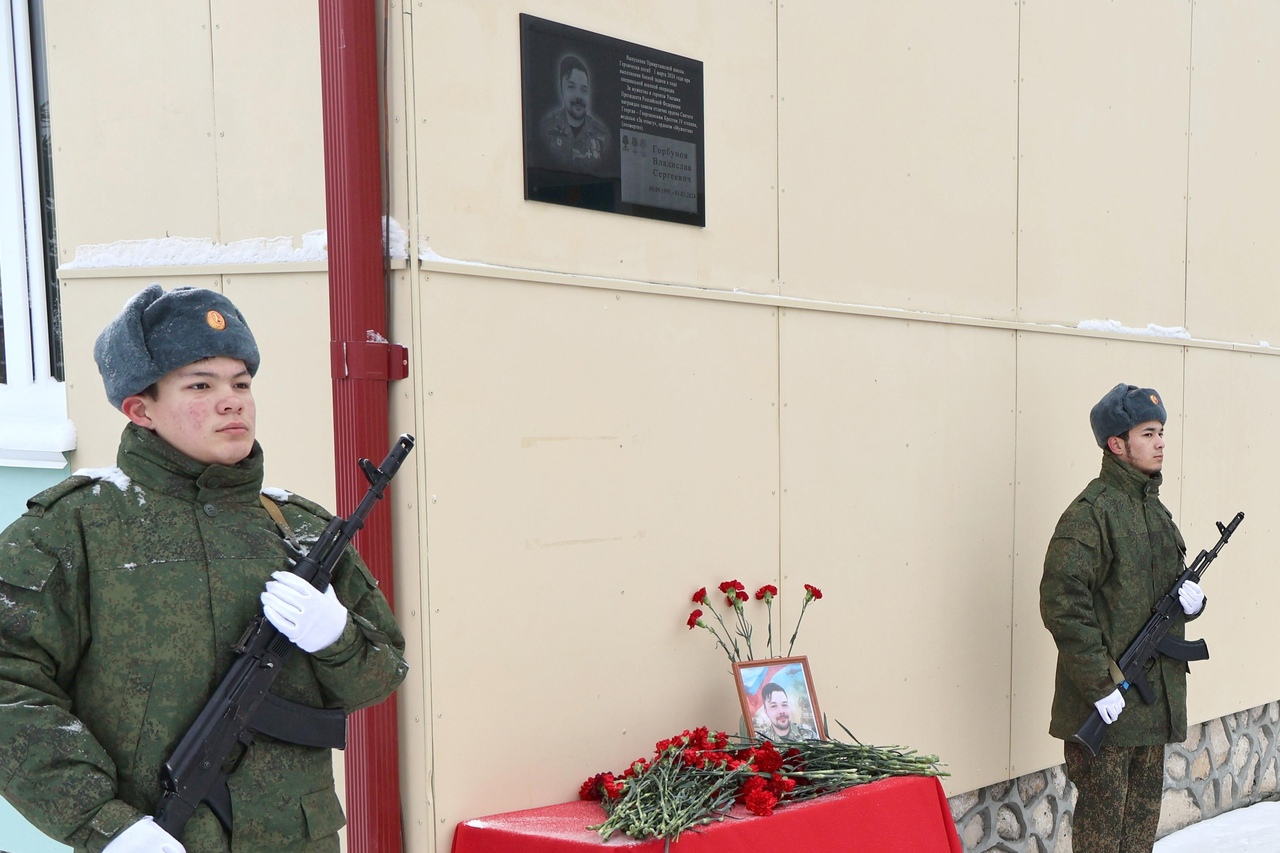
221	735
1154	640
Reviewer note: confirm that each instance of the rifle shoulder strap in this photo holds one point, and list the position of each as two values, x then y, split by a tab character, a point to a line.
278	517
1116	674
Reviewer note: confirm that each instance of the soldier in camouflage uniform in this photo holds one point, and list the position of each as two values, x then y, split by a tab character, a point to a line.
123	590
1114	554
576	140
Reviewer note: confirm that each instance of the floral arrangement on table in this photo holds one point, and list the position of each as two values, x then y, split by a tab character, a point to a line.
696	777
736	596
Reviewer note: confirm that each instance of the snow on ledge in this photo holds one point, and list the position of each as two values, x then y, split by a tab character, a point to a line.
426	253
34	429
202	251
198	251
1151	331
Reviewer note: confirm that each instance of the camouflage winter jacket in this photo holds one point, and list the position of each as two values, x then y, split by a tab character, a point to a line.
1115	552
580	150
121	596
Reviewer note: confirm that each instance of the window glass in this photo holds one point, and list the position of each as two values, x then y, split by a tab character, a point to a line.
30	346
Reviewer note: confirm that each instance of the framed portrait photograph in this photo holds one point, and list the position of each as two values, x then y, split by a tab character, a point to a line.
778	700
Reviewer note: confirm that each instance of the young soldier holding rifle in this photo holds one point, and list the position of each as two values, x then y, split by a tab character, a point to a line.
124	596
1114	554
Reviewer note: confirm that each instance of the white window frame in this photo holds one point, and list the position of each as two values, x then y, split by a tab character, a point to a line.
34	430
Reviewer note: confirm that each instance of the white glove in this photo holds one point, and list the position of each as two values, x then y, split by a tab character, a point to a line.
1191	596
144	837
308	617
1110	706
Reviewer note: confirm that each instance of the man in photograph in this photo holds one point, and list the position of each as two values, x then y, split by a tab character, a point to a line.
783	725
576	140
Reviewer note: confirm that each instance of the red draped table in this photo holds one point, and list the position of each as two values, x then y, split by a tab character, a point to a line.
902	815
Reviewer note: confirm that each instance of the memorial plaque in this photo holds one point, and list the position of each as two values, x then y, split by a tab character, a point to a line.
610	125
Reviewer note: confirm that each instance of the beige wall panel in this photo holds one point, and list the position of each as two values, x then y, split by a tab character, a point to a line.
898	145
897	503
289	315
409	554
1103	163
132	121
1060	378
270	139
1232	406
592	458
402	168
470	171
1234	212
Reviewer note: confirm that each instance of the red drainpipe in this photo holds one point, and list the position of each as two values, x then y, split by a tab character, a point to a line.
361	370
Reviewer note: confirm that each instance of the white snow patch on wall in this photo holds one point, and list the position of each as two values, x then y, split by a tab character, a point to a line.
395	239
202	251
197	251
1152	330
426	253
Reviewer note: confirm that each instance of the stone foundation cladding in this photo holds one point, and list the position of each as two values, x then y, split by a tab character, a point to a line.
1224	764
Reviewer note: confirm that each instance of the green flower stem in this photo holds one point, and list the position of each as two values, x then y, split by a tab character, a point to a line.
744	629
796	632
768	603
737	654
719	641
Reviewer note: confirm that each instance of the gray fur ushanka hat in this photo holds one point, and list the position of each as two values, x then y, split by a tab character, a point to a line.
1122	408
157	332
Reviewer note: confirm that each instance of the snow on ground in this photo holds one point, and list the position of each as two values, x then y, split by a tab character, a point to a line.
1255	829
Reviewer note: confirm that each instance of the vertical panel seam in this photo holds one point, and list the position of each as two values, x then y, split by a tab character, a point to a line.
213	110
416	279
777	286
1017	341
1186	260
1186	196
777	152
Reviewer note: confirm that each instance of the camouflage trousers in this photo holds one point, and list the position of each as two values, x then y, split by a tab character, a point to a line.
1118	803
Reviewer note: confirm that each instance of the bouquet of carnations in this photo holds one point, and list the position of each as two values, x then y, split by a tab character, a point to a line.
696	777
735	595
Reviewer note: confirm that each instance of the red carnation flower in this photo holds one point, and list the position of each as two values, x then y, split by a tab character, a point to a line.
694	758
766	592
812	591
590	789
767	759
612	789
781	785
700	597
693	618
761	803
753	785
